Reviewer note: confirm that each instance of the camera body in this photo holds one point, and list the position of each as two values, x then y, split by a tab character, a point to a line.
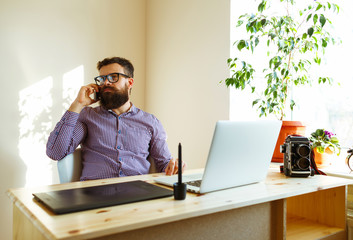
296	159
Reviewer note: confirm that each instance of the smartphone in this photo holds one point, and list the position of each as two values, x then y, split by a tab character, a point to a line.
97	96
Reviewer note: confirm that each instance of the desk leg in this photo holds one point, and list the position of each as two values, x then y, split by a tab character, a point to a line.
278	219
23	228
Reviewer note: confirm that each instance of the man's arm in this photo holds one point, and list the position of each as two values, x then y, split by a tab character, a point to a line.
69	131
66	136
160	152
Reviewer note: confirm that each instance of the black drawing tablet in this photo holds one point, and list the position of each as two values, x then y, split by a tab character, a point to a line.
79	199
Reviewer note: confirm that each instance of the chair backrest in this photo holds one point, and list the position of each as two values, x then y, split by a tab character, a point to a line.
153	168
70	167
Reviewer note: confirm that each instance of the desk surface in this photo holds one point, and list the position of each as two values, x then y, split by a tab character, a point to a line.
116	219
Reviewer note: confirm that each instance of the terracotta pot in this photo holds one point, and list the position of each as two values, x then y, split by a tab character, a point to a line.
323	159
288	128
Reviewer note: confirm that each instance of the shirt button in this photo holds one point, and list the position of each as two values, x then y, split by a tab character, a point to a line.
119	131
118	147
120	159
119	118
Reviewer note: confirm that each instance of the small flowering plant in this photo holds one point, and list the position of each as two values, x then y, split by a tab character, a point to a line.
322	139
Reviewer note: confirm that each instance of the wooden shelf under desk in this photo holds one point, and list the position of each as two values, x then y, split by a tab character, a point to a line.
317	215
302	228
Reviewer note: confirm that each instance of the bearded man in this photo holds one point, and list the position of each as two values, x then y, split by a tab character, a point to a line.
116	137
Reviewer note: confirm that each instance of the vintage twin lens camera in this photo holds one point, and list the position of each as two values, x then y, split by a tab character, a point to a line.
296	150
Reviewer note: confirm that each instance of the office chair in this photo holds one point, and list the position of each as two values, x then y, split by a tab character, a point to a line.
70	167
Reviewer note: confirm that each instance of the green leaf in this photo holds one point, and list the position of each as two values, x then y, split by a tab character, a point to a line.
292	104
241	45
322	20
263	22
255	102
324	43
262	6
256	41
317	60
337	7
310	31
239	23
275	75
266	92
318	7
308	18
274	94
315	18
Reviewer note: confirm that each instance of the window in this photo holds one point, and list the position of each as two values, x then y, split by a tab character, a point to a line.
319	106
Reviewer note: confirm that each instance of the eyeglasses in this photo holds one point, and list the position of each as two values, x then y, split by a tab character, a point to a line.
112	78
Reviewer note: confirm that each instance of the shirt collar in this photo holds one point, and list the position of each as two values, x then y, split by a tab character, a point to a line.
132	109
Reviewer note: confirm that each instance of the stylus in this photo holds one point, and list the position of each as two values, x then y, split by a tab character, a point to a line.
180	170
179	187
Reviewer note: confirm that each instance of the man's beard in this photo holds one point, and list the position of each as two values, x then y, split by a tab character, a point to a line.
115	98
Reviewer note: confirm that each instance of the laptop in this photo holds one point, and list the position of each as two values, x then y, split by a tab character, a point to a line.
240	154
79	199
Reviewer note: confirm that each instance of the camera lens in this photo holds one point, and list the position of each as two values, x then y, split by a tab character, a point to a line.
303	163
303	150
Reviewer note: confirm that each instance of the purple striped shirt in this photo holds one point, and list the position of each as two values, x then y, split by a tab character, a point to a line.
112	145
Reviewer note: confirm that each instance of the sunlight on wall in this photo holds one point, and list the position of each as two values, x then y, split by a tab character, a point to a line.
35	103
72	81
36	109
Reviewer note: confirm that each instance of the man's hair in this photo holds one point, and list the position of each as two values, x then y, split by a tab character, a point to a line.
126	64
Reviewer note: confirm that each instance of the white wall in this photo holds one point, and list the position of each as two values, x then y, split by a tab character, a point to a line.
187	47
49	48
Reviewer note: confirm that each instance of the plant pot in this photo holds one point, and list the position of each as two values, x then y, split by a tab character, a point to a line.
323	159
288	128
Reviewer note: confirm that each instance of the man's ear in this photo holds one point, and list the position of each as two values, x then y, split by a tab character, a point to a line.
131	83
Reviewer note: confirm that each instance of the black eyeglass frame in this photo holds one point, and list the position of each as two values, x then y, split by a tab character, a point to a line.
109	77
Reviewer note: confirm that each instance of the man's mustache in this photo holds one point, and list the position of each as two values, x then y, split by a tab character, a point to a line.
106	87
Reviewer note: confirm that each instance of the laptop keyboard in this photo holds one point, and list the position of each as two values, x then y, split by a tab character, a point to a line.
196	183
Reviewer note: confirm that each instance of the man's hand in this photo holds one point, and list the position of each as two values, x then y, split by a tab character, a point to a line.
83	98
172	167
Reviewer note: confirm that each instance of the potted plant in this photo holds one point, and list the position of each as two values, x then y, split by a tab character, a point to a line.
324	144
294	41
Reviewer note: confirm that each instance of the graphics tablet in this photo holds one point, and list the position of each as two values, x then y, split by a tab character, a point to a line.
78	199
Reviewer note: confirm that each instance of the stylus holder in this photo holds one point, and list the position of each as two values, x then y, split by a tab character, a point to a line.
179	191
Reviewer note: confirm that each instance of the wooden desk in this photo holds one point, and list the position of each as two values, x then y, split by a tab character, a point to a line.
279	208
